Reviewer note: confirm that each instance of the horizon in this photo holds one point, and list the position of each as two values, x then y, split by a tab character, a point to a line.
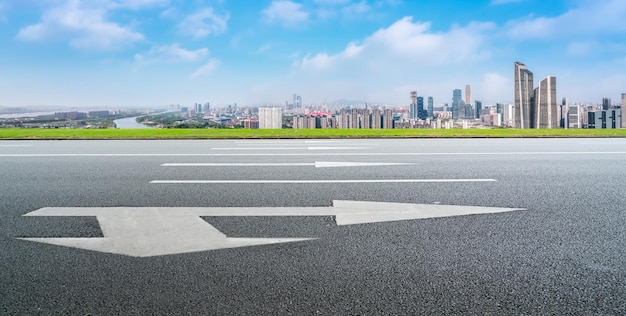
153	53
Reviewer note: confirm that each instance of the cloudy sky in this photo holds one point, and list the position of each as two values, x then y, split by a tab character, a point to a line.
125	53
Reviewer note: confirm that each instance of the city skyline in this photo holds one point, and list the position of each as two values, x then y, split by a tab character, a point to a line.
129	53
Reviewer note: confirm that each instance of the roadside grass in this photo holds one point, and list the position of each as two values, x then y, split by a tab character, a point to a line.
25	134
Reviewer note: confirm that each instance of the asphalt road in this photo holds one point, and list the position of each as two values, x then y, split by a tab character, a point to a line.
565	253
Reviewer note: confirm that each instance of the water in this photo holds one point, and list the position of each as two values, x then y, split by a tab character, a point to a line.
129	122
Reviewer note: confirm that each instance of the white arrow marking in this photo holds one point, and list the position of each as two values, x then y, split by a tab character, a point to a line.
156	231
369	154
318	181
317	164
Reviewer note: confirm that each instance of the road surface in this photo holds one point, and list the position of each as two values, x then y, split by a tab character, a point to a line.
557	247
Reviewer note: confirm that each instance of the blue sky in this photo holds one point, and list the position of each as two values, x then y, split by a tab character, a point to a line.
138	53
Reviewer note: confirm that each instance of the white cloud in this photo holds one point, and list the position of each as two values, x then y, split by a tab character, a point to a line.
207	68
171	54
203	23
593	18
407	43
406	53
286	13
85	26
136	4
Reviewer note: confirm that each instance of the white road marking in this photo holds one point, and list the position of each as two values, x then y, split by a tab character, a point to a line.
317	164
318	181
370	154
16	145
287	148
156	231
288	143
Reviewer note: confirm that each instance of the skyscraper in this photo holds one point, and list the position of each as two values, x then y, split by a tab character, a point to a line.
421	112
523	96
354	118
524	110
387	118
545	104
413	106
431	107
479	108
468	94
623	109
457	103
563	112
606	103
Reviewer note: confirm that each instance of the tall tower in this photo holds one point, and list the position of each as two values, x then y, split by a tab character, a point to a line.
479	108
524	110
457	103
413	106
623	109
606	103
564	112
421	113
545	103
468	94
430	107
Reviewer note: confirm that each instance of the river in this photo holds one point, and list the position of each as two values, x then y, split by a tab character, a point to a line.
129	122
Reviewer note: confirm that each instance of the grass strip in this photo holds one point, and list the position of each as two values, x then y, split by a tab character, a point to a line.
26	134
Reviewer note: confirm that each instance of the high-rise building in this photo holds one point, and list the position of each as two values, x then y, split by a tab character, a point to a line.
388	118
413	112
524	110
297	101
545	104
606	103
573	116
270	118
354	118
468	94
623	108
508	115
365	119
479	108
431	107
563	113
604	119
457	103
342	122
468	111
421	112
376	118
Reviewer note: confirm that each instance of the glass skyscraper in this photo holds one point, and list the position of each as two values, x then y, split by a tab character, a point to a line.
431	107
457	103
545	103
524	110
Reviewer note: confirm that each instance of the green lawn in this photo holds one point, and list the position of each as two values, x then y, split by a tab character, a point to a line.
16	133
